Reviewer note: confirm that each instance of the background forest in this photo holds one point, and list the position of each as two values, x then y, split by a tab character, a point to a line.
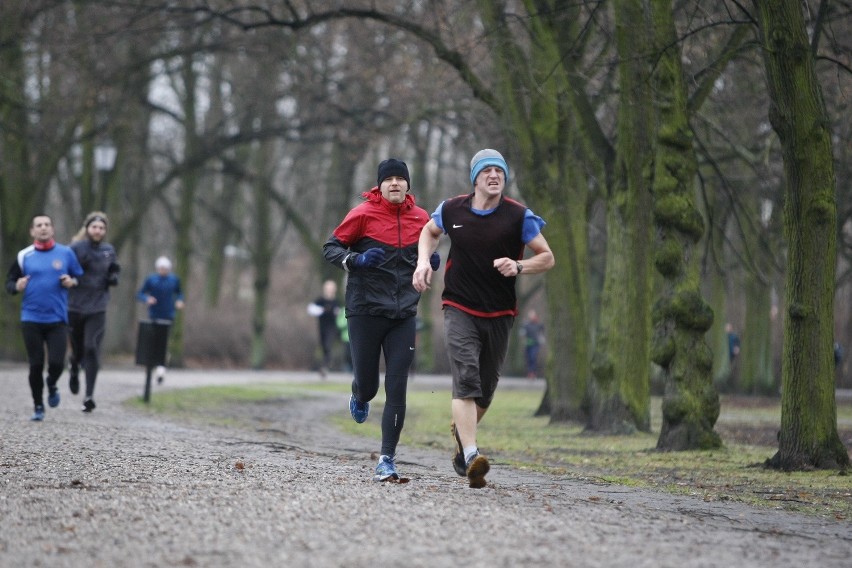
233	136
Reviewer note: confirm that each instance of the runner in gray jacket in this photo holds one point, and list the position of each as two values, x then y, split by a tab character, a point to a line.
87	303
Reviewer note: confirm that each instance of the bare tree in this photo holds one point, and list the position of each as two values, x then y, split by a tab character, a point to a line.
808	436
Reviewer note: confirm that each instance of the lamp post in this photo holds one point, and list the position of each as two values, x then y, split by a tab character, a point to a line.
105	154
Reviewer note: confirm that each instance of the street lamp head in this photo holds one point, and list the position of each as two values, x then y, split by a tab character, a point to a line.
105	153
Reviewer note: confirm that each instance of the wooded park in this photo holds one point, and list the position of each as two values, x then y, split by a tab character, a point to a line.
691	159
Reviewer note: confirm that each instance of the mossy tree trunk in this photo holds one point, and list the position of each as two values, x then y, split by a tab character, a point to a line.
568	362
681	316
533	96
808	437
620	389
15	186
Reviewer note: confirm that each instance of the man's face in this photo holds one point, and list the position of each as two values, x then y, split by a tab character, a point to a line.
394	189
42	228
490	181
96	231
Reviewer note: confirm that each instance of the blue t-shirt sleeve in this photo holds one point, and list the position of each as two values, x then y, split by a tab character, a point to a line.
437	216
532	226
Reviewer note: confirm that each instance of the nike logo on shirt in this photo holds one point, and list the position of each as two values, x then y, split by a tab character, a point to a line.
456	226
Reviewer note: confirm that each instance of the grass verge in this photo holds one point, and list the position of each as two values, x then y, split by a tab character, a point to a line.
511	434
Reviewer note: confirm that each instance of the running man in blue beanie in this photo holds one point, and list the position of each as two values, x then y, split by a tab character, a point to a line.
488	233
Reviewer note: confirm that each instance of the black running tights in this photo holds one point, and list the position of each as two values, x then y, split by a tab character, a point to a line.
87	332
369	336
37	336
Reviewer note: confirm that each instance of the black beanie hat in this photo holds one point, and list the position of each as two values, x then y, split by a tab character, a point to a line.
393	167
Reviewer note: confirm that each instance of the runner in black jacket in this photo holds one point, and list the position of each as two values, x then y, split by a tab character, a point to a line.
377	245
87	303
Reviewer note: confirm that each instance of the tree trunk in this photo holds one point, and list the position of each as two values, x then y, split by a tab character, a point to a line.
567	366
534	94
755	358
225	201
620	393
16	186
186	205
808	436
262	260
681	316
719	337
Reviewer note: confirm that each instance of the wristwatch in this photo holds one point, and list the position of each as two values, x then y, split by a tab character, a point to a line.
519	266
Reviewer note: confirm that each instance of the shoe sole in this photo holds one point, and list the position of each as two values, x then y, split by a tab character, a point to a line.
391	477
476	472
458	459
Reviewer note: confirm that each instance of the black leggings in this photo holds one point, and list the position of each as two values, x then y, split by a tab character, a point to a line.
87	332
368	337
36	337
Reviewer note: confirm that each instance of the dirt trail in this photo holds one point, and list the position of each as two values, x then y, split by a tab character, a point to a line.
116	488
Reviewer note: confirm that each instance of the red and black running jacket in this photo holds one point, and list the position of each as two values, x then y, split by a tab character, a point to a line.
384	290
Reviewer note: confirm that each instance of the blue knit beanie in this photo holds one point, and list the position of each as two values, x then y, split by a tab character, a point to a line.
485	158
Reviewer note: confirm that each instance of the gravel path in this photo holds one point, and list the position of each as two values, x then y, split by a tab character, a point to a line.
116	488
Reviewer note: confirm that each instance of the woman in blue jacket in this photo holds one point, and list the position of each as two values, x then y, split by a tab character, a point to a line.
161	292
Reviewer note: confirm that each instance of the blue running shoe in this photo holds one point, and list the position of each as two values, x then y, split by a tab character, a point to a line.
38	415
53	398
358	410
386	469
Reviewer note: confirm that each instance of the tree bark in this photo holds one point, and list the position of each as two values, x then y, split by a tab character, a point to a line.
681	316
534	94
808	437
621	365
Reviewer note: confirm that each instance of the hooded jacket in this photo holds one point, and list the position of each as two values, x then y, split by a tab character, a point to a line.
384	290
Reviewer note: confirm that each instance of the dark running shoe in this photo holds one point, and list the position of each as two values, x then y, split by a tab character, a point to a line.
73	380
358	410
477	467
458	458
38	415
88	405
53	398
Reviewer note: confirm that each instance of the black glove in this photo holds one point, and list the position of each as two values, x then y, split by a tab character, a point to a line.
369	258
112	274
435	260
